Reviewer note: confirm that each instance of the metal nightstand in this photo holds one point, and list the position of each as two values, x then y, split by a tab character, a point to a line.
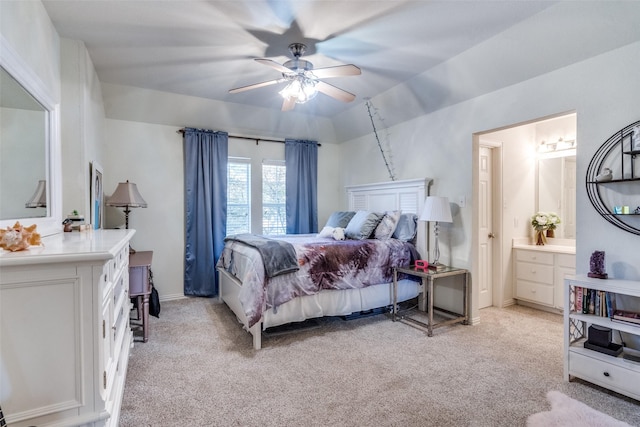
428	277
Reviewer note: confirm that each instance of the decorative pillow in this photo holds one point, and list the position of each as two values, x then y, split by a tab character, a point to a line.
338	233
340	219
326	232
362	225
407	228
387	225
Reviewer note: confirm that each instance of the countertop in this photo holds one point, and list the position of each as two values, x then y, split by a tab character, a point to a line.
561	246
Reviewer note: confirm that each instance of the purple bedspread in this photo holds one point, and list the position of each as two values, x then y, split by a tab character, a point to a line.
324	264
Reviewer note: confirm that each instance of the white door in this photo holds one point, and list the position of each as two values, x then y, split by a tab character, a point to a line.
486	232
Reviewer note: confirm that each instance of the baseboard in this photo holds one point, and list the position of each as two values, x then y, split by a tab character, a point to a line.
508	302
539	307
171	297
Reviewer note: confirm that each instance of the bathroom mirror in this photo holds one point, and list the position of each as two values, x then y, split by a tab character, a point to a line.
29	148
556	191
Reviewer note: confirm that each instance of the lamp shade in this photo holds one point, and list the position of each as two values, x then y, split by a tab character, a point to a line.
126	195
39	198
436	209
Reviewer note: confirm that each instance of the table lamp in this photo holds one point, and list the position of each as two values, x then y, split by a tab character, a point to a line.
39	198
127	196
436	209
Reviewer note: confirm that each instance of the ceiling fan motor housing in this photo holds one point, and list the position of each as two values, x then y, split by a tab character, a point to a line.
298	65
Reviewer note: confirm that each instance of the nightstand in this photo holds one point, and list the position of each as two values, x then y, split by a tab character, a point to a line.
140	286
428	277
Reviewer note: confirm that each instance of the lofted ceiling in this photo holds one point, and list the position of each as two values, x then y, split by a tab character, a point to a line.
205	48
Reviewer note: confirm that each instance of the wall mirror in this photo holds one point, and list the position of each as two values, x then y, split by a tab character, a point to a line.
29	148
556	190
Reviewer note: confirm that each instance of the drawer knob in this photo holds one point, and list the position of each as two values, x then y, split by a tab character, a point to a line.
606	374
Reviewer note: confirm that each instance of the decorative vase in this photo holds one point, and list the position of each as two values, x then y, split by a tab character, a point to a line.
540	238
551	233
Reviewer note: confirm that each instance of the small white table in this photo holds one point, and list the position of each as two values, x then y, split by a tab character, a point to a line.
428	277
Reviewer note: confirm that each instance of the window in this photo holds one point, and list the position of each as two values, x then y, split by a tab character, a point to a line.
238	196
268	218
274	220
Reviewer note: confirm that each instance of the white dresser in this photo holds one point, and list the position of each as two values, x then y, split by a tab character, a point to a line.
64	330
539	273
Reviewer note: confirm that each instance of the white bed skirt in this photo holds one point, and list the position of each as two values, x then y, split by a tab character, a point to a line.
338	303
324	303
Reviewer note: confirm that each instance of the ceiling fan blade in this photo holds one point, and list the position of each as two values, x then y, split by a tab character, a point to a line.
273	64
288	104
335	92
256	85
337	71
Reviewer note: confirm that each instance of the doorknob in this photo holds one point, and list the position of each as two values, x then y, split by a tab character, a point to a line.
492	236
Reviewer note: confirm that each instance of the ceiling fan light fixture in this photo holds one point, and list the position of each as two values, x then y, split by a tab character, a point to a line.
300	89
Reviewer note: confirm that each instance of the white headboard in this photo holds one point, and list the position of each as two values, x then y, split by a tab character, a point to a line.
407	196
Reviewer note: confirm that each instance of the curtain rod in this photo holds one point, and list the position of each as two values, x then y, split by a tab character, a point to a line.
257	140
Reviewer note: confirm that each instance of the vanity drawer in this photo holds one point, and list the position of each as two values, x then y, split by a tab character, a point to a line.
566	260
535	272
534	256
535	292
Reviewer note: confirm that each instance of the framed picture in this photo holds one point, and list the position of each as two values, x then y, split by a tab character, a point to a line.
97	197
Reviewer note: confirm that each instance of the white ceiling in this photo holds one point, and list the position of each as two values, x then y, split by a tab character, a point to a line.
205	48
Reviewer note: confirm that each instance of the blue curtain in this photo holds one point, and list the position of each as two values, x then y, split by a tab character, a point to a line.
301	160
205	176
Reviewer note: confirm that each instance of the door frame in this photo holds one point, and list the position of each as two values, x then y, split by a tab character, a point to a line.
497	196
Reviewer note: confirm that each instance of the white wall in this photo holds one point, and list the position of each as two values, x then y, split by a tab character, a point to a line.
26	26
82	126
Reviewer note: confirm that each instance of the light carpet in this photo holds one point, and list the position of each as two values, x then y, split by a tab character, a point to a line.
568	412
199	369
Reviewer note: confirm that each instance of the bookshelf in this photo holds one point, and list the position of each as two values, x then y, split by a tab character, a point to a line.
616	373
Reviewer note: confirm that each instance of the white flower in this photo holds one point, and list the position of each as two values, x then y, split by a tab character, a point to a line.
544	221
541	220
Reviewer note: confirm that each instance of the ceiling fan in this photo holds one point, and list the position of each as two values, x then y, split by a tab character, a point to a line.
304	81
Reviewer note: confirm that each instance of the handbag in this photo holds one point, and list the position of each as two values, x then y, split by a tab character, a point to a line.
154	298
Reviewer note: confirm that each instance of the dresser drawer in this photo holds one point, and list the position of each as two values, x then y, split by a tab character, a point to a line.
566	260
535	292
535	272
534	256
605	374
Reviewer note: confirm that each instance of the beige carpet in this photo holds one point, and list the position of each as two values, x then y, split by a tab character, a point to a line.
199	369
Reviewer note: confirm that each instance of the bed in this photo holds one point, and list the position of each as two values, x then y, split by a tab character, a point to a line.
264	295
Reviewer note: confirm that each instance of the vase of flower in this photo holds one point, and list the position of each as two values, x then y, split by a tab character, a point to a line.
544	224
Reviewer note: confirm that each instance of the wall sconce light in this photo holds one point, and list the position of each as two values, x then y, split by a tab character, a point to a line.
559	145
39	198
436	209
126	196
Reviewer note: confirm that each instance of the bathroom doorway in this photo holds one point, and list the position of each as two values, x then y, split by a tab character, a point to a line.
532	169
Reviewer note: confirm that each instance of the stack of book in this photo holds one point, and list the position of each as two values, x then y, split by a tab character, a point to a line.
624	316
592	301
